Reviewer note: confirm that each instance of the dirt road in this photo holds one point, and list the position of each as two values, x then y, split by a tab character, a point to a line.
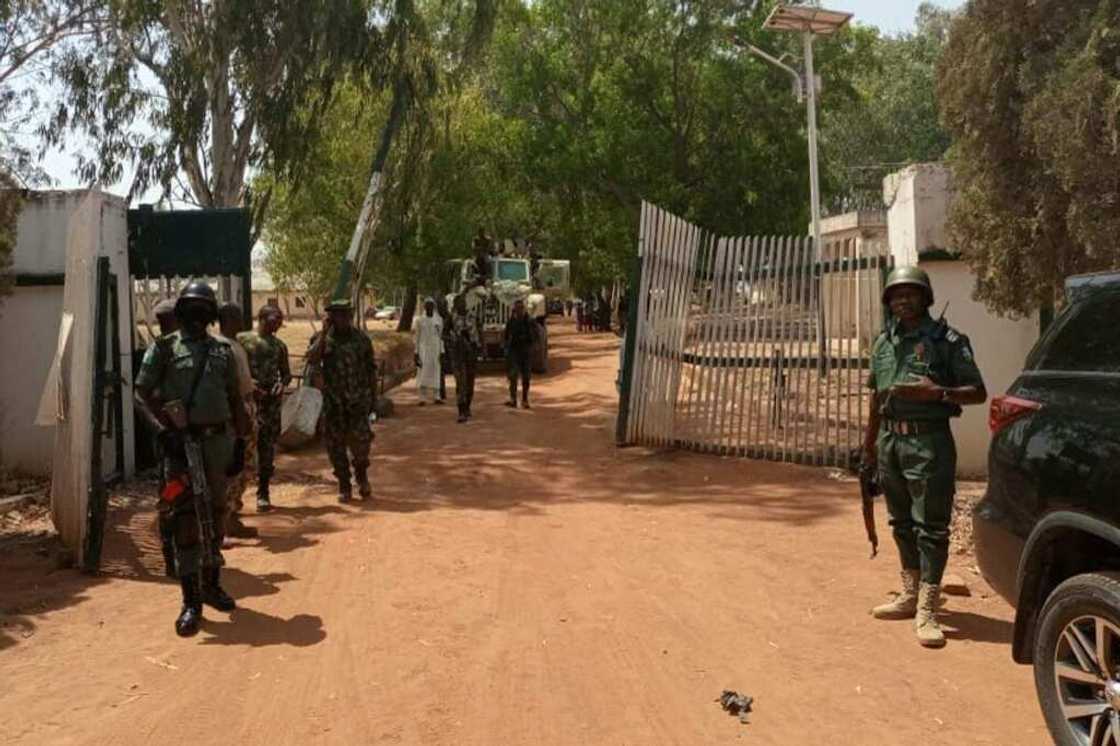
518	580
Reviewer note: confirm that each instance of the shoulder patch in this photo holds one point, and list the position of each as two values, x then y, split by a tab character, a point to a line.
952	335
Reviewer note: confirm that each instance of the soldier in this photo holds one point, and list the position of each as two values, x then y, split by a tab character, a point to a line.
268	360
198	371
483	247
165	317
229	323
922	373
520	333
349	386
168	324
465	345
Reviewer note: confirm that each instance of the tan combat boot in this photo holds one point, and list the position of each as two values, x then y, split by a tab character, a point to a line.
906	605
925	623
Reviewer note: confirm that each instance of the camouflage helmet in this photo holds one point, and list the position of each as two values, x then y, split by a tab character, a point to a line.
198	292
908	276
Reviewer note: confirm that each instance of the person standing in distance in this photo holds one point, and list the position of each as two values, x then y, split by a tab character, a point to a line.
429	349
268	360
349	394
922	373
518	339
198	371
229	325
466	344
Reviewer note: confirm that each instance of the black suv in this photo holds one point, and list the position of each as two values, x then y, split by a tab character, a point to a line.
1048	530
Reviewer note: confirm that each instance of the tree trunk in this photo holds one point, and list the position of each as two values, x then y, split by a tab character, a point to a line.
353	265
408	308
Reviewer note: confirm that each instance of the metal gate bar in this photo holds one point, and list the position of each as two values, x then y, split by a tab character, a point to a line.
726	355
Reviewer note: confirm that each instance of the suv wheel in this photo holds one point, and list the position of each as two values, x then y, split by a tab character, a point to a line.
1077	661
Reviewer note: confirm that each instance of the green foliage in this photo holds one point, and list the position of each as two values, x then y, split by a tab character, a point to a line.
1031	95
224	87
893	120
581	111
11	201
649	99
34	35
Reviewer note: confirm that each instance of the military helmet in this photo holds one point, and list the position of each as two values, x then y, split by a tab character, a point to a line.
340	304
910	275
198	292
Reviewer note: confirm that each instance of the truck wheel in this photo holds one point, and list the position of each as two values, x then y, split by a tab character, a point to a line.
1077	660
540	352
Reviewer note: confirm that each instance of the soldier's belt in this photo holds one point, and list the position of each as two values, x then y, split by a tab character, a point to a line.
915	427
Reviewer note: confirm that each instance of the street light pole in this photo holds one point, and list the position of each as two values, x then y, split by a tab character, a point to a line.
814	173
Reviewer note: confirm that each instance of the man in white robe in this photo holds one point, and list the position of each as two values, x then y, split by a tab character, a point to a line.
429	347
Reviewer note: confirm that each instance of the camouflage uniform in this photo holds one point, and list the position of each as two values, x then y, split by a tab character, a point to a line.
349	378
465	345
268	361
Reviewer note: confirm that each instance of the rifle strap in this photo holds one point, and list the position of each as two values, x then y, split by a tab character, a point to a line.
199	370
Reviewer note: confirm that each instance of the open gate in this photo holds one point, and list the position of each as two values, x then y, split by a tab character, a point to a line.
750	346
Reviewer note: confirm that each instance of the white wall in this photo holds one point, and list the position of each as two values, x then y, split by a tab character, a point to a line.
28	329
29	319
1000	346
918	199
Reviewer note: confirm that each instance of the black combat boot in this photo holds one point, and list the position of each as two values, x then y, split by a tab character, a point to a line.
345	492
190	616
360	473
264	503
212	593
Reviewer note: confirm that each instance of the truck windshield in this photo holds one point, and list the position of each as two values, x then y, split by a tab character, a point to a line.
513	269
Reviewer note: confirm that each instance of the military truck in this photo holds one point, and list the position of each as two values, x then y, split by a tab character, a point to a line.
510	280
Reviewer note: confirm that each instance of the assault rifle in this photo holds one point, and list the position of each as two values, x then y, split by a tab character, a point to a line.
868	489
176	412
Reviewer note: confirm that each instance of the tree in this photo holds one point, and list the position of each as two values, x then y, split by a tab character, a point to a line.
33	34
220	88
433	47
1031	95
893	119
649	99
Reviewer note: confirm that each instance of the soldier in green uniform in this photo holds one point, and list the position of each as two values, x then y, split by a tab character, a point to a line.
349	387
168	324
466	343
922	373
268	361
483	248
197	370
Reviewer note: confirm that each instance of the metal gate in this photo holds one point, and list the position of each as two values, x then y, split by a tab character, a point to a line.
107	413
750	346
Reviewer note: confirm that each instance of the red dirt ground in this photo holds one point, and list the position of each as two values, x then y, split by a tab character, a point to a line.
517	580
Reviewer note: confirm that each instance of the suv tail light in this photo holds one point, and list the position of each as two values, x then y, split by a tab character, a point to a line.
1006	409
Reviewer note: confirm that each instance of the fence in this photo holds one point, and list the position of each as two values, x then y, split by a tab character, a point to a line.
751	346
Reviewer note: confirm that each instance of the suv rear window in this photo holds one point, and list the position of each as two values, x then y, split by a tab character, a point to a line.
1088	339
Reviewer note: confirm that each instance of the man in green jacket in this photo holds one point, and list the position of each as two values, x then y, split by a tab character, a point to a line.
198	373
922	373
